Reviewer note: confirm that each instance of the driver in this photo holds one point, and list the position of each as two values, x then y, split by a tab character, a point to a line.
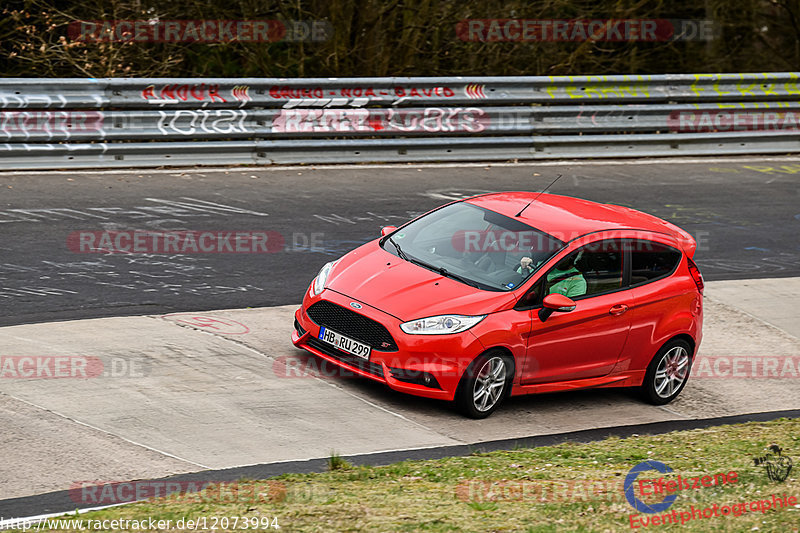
525	267
566	279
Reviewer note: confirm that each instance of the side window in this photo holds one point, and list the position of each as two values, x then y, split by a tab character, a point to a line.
592	269
652	260
531	298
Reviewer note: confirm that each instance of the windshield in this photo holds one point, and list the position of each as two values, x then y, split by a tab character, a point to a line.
475	246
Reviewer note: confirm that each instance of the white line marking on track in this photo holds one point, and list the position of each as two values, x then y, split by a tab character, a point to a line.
262	354
754	317
75	420
670	411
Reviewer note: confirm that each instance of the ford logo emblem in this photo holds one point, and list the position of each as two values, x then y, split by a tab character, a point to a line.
356	305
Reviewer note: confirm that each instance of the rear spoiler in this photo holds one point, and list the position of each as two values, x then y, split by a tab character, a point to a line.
685	239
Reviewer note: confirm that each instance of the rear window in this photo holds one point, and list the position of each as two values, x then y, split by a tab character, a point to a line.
651	261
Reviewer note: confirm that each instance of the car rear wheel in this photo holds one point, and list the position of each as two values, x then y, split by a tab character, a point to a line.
667	373
485	384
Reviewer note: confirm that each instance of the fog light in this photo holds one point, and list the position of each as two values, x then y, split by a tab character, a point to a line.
416	377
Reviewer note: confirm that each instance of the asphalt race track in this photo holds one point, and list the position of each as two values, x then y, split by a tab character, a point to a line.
745	214
209	384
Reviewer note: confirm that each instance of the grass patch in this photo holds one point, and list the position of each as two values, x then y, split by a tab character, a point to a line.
336	462
516	490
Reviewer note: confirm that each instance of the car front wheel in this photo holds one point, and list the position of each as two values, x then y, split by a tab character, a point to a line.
667	373
485	384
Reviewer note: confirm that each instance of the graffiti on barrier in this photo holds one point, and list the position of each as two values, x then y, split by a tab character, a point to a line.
601	88
176	93
241	93
598	118
354	96
19	100
475	91
51	123
189	121
431	120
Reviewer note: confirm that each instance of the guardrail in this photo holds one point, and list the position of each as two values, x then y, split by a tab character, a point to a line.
69	123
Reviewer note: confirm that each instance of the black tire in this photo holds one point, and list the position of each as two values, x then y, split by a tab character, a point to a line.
468	401
667	373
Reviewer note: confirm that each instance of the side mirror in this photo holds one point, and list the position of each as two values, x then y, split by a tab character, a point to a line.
555	303
386	230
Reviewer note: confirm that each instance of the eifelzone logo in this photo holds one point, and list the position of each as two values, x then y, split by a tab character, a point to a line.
638	504
668	487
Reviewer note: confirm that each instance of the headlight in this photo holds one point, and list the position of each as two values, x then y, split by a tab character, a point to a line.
322	278
440	325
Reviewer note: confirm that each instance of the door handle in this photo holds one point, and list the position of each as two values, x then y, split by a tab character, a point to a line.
618	309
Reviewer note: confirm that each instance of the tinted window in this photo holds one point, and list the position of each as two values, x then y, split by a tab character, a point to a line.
652	260
592	269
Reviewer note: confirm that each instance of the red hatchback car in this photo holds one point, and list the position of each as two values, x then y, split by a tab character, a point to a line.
512	293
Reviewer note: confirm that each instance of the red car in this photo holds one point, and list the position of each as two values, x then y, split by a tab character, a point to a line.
512	293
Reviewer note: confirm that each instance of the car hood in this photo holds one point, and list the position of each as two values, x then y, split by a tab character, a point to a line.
375	277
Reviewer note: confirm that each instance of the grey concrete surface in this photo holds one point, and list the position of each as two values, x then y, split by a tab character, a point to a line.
198	399
43	450
773	301
212	389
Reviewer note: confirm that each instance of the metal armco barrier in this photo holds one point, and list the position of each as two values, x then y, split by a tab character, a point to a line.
110	122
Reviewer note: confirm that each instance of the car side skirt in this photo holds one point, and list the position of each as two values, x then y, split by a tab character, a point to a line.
627	379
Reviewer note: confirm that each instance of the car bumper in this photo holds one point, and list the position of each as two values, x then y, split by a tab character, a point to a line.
409	369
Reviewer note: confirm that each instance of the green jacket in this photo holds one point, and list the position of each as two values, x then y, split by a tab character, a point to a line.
572	283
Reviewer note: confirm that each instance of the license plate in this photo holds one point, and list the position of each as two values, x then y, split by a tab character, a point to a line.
346	344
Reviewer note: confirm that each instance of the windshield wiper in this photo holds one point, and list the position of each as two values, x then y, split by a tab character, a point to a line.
400	252
444	272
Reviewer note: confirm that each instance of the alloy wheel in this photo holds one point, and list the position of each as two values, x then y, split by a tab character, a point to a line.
671	372
489	384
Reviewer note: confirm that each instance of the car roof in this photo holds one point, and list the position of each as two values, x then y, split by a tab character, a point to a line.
567	218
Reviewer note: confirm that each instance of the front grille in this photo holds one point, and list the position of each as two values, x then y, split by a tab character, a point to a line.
353	325
352	360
